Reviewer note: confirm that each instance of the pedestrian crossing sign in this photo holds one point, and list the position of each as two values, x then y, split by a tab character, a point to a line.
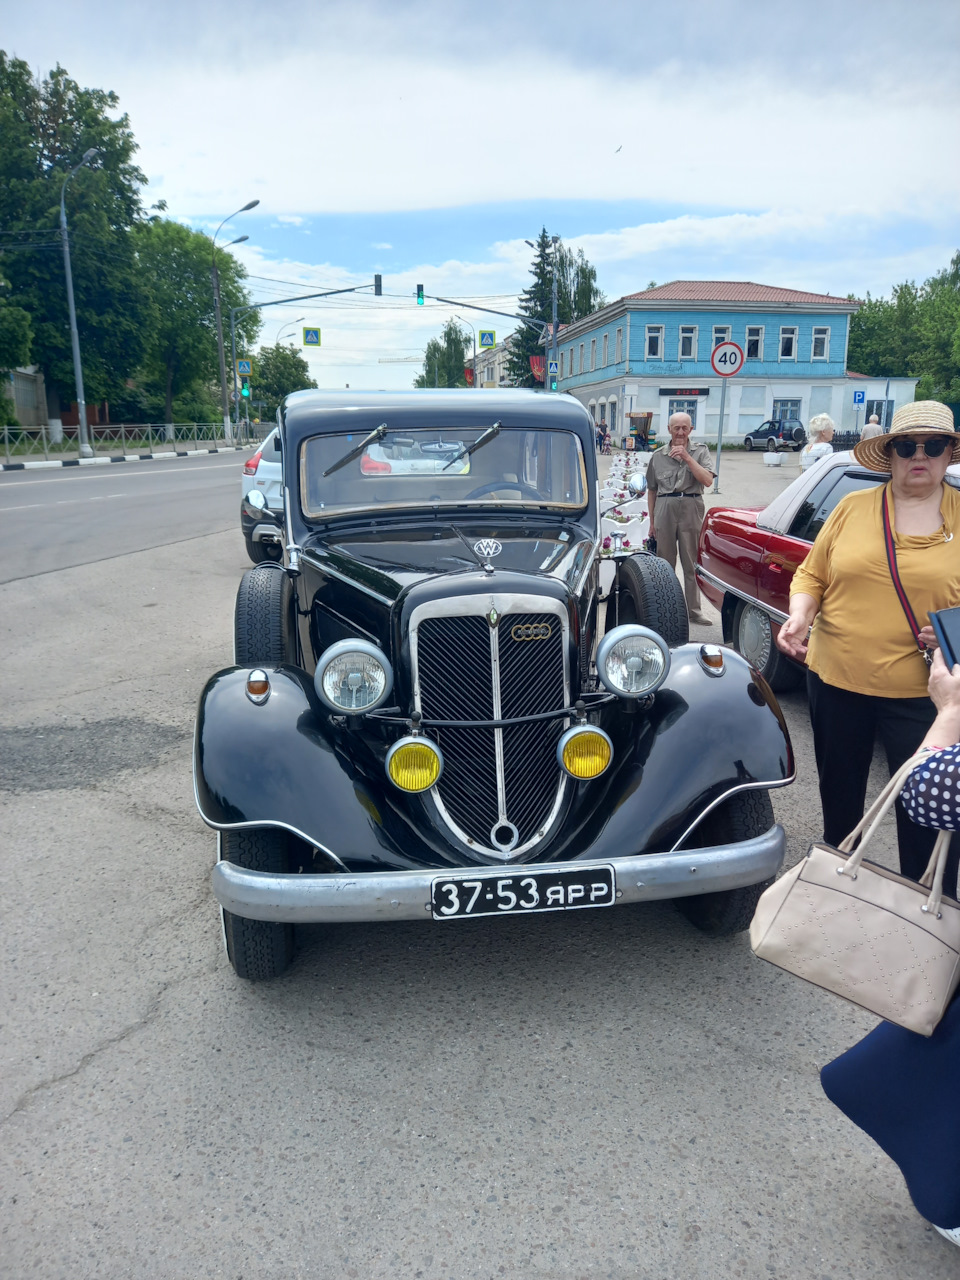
488	338
244	368
311	337
553	366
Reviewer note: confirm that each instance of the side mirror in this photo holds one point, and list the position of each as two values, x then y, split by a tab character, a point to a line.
637	484
255	506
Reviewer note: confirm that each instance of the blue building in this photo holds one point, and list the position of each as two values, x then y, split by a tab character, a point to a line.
649	353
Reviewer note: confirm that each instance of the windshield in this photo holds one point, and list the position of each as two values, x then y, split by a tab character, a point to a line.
429	467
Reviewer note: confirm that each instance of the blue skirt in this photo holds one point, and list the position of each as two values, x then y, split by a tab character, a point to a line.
904	1091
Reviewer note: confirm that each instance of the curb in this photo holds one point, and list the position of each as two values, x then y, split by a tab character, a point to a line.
124	457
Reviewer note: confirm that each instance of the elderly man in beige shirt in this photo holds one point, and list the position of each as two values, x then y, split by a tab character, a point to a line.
871	428
676	478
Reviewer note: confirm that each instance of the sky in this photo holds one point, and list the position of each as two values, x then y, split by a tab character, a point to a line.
814	147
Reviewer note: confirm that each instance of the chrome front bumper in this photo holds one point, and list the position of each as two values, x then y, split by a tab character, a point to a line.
342	897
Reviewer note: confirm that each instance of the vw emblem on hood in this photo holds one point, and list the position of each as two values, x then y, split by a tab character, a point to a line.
487	548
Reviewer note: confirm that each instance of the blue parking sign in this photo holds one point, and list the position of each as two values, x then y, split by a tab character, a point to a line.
859	397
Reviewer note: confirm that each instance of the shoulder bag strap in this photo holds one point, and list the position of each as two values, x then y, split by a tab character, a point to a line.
891	549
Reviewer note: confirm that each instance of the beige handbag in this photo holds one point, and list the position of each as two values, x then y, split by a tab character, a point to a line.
886	943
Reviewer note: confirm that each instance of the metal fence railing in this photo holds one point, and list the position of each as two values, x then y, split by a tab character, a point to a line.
23	443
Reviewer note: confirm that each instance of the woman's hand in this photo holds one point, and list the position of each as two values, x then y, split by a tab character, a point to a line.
928	638
792	637
944	685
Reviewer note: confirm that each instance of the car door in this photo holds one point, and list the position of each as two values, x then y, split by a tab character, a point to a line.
786	550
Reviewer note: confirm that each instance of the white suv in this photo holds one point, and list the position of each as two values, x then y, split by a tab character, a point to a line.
264	472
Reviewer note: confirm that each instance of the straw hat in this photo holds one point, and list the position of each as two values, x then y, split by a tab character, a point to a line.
922	418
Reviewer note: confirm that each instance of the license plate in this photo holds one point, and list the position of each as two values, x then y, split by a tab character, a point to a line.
494	894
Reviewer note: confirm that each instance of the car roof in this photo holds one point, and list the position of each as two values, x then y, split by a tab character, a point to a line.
307	413
778	513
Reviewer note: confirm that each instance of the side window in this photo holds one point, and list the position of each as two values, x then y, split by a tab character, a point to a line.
824	496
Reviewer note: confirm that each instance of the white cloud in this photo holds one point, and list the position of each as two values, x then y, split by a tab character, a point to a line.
381	246
292	218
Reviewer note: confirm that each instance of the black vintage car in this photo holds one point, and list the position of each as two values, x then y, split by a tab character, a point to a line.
433	714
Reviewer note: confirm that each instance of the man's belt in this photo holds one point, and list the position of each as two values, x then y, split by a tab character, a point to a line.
679	495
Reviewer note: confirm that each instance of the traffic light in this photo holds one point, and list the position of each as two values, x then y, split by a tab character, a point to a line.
419	295
553	382
245	388
378	286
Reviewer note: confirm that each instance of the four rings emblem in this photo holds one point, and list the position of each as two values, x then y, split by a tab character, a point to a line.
532	631
487	548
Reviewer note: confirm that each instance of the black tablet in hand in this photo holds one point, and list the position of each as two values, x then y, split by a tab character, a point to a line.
946	627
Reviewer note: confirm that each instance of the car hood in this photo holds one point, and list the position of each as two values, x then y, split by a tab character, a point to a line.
392	559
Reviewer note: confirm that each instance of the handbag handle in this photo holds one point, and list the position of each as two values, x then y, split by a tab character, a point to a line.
932	878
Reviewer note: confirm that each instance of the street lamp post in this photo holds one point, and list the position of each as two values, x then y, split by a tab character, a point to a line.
461	320
84	443
227	431
290	324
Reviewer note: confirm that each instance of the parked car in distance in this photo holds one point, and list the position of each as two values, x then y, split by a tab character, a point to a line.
435	716
747	557
263	472
776	433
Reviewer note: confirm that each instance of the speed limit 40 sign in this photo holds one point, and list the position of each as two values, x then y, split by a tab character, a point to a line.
727	359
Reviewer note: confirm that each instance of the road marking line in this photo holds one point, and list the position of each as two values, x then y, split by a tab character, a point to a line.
66	475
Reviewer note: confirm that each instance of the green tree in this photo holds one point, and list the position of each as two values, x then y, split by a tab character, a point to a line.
277	371
47	125
181	369
446	358
913	333
577	296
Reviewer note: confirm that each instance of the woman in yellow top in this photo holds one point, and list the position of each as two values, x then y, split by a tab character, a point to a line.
866	674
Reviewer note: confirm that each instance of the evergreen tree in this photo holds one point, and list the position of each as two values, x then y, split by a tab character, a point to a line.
445	358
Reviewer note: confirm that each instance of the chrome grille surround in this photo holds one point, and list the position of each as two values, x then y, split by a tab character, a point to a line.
505	780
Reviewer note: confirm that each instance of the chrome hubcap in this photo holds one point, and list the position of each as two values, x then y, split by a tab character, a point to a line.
755	639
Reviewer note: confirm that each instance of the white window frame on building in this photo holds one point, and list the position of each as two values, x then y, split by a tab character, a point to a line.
721	333
581	357
603	413
821	334
679	404
571	362
605	360
619	345
754	334
593	354
654	331
612	414
687	348
786	409
788	332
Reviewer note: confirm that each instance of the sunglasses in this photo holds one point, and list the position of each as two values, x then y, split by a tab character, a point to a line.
931	447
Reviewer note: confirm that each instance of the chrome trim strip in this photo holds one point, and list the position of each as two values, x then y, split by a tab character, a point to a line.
323	567
498	732
405	895
776	614
743	786
479	606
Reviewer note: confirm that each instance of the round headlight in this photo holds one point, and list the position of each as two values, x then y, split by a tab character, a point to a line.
353	676
584	752
414	764
632	661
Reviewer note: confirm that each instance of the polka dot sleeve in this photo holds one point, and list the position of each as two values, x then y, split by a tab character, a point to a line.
931	794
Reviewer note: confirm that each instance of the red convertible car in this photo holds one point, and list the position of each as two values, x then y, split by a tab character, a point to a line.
747	558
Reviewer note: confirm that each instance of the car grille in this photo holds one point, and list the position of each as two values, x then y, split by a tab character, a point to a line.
495	776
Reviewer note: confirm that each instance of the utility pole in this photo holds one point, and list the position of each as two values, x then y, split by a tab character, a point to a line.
83	438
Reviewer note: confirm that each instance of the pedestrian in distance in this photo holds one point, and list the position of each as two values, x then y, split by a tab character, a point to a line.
871	428
676	478
821	431
899	1087
885	559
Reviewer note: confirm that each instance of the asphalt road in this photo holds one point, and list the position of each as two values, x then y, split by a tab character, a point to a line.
603	1095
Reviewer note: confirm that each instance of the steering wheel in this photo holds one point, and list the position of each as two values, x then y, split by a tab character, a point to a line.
526	489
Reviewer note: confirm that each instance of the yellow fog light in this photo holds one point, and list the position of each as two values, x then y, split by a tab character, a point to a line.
414	764
584	752
258	686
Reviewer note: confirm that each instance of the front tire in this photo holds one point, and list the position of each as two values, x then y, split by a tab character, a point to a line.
753	640
261	624
258	949
741	817
651	595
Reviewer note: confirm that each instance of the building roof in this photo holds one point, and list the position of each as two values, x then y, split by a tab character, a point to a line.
736	291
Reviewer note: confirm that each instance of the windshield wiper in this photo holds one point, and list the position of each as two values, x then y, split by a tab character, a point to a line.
376	434
480	441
